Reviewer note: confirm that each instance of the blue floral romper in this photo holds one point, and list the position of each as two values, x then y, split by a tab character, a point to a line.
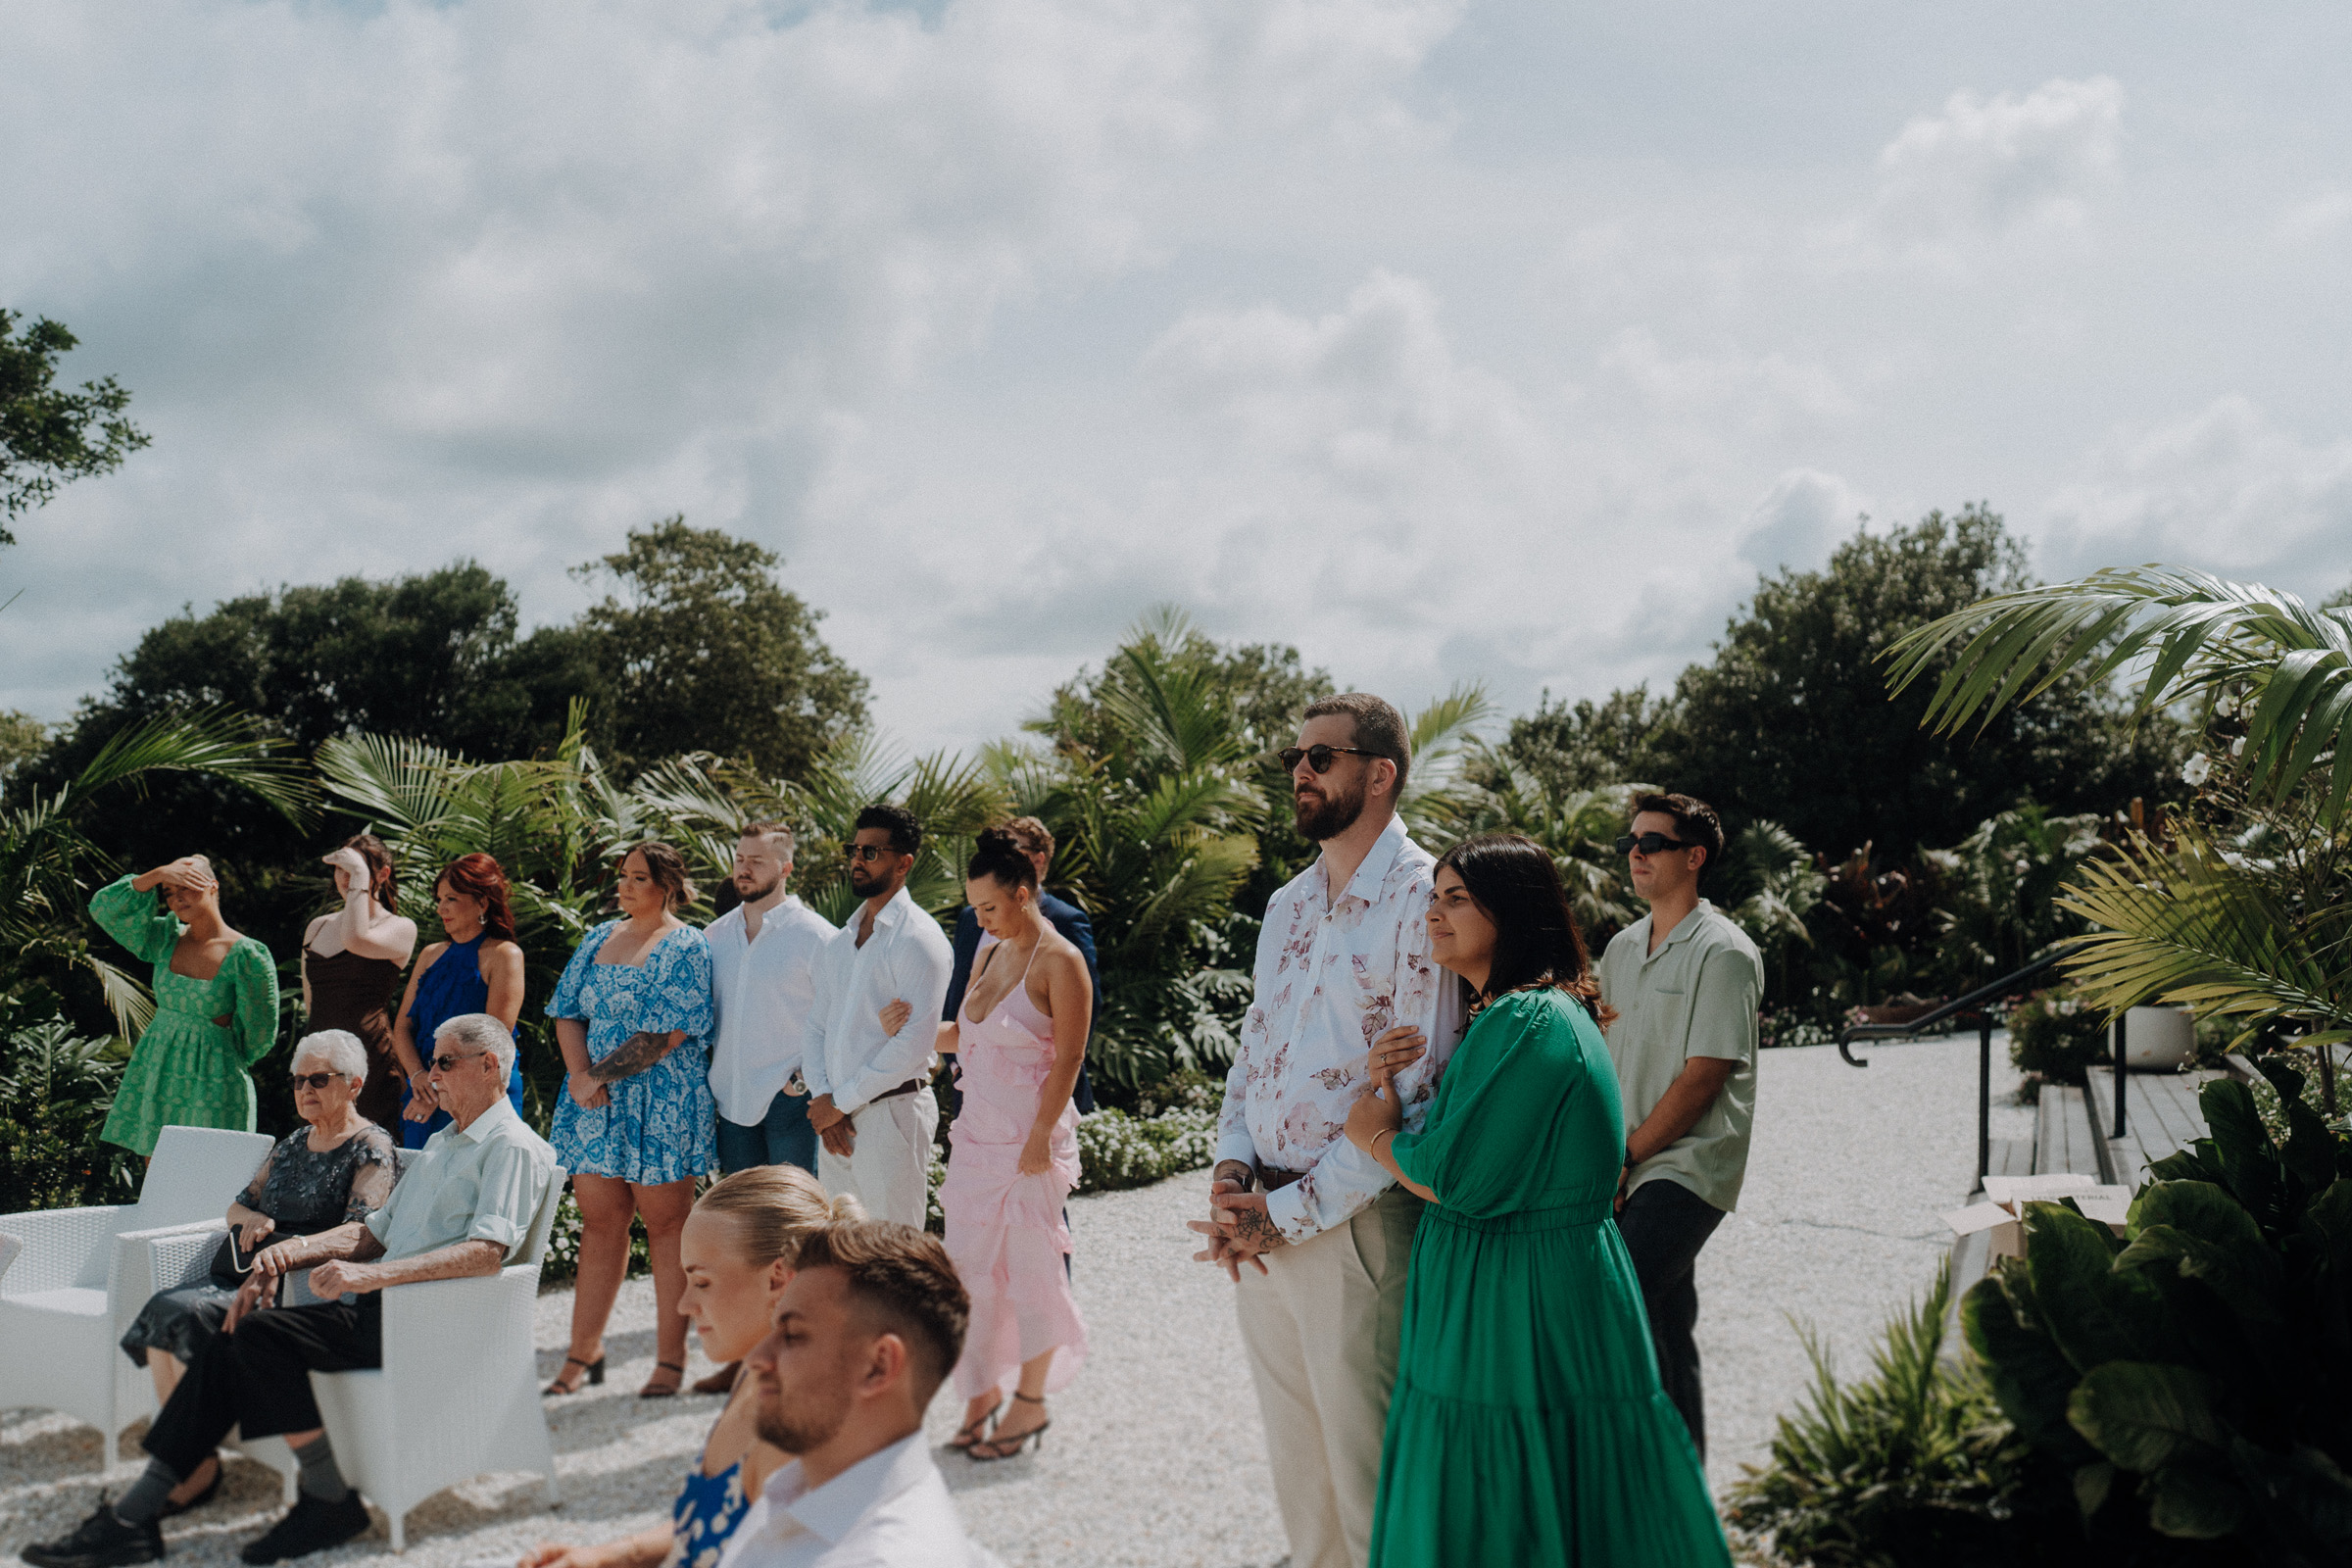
662	1124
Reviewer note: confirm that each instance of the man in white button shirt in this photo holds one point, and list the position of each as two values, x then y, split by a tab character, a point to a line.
1317	1234
869	1074
866	1332
763	960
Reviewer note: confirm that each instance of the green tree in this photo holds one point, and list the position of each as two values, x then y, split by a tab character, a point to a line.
49	435
1573	747
22	738
704	650
1791	720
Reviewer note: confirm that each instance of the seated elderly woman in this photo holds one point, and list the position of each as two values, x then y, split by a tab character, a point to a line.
465	1206
328	1172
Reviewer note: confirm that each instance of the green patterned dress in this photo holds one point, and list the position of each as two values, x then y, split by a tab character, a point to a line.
1527	1425
186	1070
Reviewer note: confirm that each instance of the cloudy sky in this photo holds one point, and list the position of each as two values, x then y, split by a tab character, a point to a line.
1492	340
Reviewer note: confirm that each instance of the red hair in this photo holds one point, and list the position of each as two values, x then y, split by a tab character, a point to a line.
478	877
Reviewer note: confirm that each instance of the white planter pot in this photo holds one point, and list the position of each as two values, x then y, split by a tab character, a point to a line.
2159	1039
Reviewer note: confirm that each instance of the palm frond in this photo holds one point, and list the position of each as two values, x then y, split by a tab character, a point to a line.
216	741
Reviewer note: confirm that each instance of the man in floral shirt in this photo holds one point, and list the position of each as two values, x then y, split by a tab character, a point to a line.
1312	1230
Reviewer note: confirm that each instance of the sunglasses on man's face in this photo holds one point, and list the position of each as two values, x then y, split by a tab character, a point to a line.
868	853
1649	844
315	1080
445	1063
1318	758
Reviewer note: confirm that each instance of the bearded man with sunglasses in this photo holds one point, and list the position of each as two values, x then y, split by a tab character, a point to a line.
869	1074
1315	1234
1685	983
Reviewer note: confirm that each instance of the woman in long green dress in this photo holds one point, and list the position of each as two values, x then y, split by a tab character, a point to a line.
215	1006
1526	1424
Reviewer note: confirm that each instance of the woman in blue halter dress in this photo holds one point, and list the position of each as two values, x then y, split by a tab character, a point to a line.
478	969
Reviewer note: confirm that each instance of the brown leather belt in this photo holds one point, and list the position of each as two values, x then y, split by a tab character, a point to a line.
907	1088
1270	1180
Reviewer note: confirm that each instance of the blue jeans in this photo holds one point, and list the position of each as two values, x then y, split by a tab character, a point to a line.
783	1137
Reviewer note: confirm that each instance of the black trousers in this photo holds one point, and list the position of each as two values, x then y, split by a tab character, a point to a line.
258	1379
1665	1224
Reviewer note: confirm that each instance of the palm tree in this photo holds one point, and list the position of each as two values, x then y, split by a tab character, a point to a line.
46	863
2227	928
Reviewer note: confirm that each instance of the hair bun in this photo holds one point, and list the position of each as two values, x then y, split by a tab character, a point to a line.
997	840
847	1209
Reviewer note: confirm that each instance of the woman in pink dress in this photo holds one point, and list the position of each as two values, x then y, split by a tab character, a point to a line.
1014	1156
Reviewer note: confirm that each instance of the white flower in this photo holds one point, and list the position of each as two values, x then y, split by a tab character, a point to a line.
2197	770
2237	747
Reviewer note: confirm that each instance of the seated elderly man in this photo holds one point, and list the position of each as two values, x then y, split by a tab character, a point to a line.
467	1205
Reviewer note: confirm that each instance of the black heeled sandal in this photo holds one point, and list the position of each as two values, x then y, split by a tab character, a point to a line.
649	1392
996	1446
594	1369
971	1432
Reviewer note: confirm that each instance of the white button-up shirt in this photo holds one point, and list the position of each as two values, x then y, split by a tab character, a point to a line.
908	959
763	989
890	1509
1331	976
478	1183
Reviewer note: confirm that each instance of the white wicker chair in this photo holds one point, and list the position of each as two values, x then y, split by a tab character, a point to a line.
83	1274
458	1395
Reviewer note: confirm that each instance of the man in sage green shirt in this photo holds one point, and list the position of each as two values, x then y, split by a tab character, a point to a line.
1685	983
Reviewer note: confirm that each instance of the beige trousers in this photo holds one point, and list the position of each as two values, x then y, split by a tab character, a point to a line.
1321	1327
889	1168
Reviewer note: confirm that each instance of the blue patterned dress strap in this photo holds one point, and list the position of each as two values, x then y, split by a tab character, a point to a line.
706	1514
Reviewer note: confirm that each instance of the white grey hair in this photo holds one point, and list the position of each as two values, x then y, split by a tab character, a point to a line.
339	1048
482	1032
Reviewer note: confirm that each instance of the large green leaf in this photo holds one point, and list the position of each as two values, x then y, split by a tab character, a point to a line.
2242	1146
2146	1415
2092	1312
2189	1503
2310	1150
2030	1376
2210	1237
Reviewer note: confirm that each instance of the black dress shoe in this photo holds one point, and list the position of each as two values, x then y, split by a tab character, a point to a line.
101	1540
309	1526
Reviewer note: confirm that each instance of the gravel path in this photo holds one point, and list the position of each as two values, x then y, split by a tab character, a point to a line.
1156	1456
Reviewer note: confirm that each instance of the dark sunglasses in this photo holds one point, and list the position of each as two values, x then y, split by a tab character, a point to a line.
1649	844
445	1063
868	852
316	1080
1318	758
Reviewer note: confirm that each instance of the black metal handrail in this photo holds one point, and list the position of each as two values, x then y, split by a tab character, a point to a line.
1974	1000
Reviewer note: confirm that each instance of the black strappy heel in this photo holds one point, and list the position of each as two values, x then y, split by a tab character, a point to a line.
649	1392
997	1445
596	1375
971	1432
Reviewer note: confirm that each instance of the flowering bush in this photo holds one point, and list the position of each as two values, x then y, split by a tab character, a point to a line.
561	1264
1117	1150
2054	1036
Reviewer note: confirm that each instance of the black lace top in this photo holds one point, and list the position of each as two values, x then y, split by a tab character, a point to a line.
307	1193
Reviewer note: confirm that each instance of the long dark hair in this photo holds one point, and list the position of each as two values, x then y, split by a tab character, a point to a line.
383	886
1536	943
478	877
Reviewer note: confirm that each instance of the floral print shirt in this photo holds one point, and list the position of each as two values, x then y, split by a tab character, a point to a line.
1332	976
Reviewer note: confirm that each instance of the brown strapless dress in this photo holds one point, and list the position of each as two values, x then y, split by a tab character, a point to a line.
350	992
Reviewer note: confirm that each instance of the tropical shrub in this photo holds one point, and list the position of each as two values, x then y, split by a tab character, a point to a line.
1116	1151
2056	1038
2192	1380
1908	1467
55	1091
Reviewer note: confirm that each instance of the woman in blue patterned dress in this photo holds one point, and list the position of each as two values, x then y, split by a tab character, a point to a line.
738	1247
635	1124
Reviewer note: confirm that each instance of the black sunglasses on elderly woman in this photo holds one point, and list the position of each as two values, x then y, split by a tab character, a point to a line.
316	1080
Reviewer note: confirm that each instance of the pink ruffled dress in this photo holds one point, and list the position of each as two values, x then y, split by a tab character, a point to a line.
1005	1231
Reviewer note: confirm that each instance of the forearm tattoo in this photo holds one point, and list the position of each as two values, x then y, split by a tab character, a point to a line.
636	1054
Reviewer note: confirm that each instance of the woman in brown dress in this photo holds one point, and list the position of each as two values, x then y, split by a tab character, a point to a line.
350	963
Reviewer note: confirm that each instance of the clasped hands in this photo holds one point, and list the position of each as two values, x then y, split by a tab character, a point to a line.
271	1265
831	1124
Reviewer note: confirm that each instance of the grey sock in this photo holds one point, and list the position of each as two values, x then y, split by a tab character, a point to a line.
144	1502
319	1477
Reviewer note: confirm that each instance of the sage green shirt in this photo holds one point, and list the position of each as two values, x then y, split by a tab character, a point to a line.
1696	996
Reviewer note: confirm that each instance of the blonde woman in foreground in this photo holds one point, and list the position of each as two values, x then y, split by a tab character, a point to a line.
737	1251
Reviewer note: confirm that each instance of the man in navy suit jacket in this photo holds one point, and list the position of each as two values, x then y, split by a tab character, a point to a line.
1070	920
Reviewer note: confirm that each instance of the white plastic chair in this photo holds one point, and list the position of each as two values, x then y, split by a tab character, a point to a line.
458	1395
70	1293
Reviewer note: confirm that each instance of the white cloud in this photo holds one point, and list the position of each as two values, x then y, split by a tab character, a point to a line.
1987	169
2223	488
1804	515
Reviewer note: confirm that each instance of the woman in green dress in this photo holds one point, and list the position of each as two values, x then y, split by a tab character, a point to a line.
1526	1424
215	1006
